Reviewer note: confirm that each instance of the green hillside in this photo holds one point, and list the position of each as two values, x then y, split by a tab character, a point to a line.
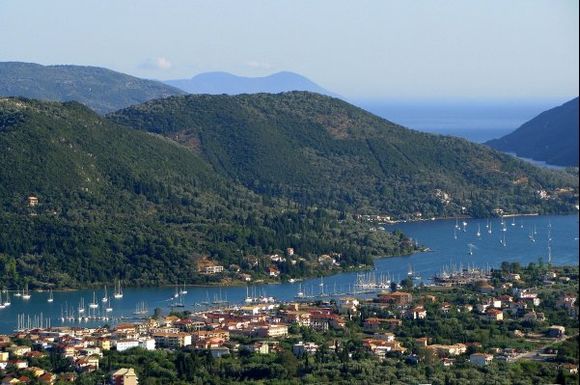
117	202
551	137
101	89
317	150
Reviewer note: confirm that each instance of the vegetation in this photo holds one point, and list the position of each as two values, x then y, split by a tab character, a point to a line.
551	136
101	89
320	151
119	203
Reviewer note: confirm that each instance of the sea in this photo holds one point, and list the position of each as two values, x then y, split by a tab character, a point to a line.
475	121
537	239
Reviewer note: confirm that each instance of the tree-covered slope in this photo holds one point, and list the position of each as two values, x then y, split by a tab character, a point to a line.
551	137
117	202
101	89
321	151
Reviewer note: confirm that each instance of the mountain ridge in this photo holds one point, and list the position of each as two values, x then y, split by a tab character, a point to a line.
101	89
220	82
322	151
551	136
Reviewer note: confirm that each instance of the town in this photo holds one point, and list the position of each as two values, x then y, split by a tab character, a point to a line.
512	315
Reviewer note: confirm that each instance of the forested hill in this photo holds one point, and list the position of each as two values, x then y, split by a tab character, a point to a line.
101	89
118	202
321	151
551	137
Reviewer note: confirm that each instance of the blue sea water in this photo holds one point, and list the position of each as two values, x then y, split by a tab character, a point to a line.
437	235
475	121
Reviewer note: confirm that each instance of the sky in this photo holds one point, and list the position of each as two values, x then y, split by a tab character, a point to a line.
383	49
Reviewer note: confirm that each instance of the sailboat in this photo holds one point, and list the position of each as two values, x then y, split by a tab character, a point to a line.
464	226
105	297
513	221
478	234
108	309
456	223
300	293
81	308
503	242
2	306
487	224
183	291
18	294
118	290
454	233
7	300
25	293
470	246
489	229
50	297
141	309
94	304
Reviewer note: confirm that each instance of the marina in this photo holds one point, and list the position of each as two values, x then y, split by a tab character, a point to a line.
455	256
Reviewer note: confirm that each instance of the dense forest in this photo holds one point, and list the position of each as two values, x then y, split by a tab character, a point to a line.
317	150
552	136
117	202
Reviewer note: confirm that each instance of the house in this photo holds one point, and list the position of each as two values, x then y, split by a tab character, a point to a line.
272	331
218	352
418	312
302	348
273	271
172	340
213	269
447	350
123	345
257	347
480	359
32	201
397	298
556	331
494	314
124	376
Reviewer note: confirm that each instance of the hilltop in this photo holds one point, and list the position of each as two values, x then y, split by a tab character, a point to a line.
100	89
552	137
216	83
321	151
85	200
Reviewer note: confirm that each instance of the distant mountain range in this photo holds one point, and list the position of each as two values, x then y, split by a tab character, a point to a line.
552	137
216	83
100	89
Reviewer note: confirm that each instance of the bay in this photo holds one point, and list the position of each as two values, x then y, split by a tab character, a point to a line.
449	247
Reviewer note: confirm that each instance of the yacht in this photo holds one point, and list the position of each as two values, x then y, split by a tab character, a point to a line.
118	291
25	293
94	304
105	297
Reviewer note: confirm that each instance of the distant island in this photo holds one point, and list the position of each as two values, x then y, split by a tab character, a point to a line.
552	137
216	83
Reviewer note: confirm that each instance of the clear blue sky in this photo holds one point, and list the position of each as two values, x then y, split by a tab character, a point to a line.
403	49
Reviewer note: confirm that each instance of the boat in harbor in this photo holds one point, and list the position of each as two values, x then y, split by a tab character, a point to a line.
94	304
478	234
26	293
141	309
2	306
108	308
50	297
118	290
105	297
6	302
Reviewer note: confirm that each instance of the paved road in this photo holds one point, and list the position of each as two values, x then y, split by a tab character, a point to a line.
537	355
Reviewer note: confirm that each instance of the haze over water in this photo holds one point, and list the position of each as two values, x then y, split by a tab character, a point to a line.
437	235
